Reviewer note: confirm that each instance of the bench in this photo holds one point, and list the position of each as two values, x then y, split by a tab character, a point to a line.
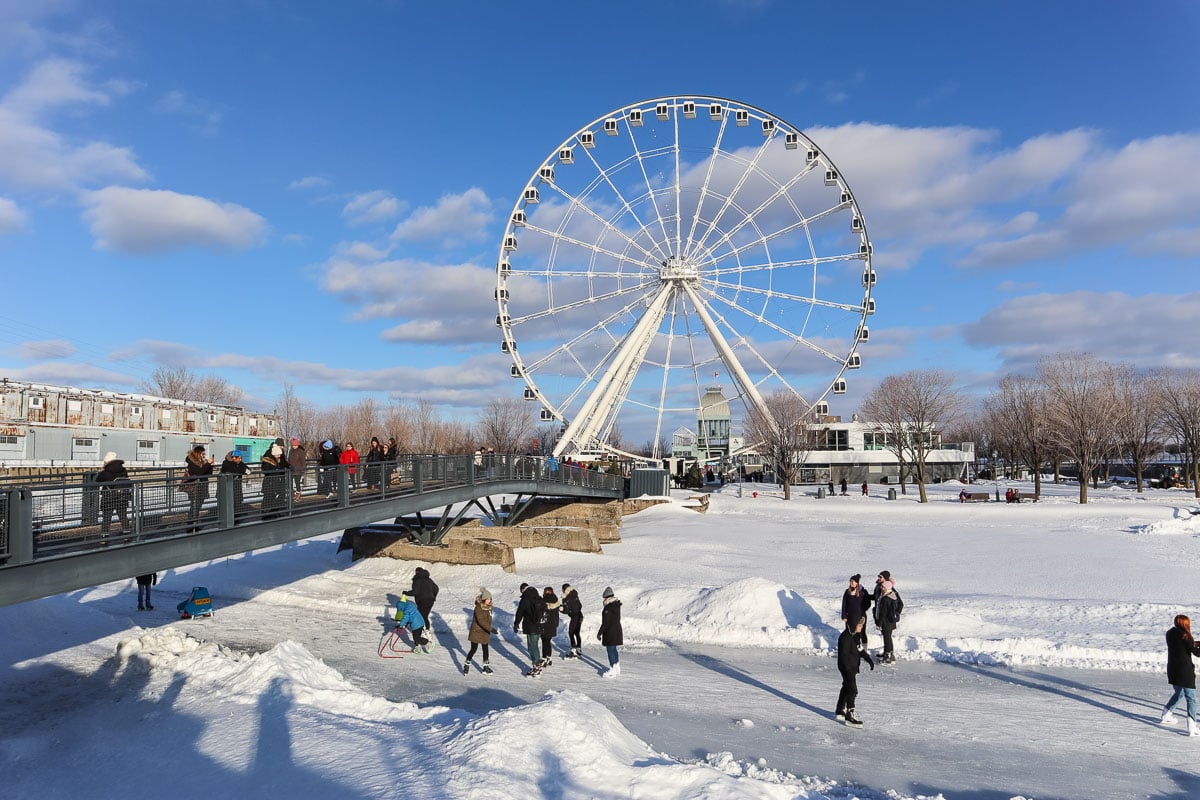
975	497
697	502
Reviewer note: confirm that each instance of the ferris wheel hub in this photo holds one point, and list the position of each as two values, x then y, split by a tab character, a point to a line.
678	268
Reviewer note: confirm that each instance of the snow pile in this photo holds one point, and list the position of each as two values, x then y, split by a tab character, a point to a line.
1188	525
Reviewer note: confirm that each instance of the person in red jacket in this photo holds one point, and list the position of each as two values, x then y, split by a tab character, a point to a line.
349	457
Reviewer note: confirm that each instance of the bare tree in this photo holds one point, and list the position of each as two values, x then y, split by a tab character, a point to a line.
909	409
181	383
1179	395
1139	418
786	437
298	416
1017	415
1082	404
506	424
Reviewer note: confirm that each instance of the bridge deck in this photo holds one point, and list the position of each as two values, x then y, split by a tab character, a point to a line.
54	539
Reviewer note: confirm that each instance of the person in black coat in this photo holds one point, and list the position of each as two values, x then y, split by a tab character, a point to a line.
116	494
1181	672
855	604
610	633
234	465
888	607
274	469
549	624
850	655
573	608
425	592
143	584
199	467
528	620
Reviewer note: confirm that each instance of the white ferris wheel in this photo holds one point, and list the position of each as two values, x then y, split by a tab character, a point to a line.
673	244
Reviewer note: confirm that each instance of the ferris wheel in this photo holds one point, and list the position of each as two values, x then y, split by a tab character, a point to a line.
675	246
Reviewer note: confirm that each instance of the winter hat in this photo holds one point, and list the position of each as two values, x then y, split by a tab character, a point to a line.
327	445
110	456
886	586
485	595
276	450
295	442
857	578
608	592
404	597
883	573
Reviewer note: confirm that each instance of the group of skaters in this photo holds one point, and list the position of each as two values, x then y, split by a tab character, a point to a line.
539	616
885	606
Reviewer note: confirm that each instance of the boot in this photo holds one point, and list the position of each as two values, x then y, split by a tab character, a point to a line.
1192	729
613	671
1167	717
851	720
486	669
466	668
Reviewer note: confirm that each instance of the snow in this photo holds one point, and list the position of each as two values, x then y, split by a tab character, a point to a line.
1031	664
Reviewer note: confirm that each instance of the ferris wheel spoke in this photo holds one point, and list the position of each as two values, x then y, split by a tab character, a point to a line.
781	190
751	167
757	317
803	223
552	310
768	368
562	237
728	357
616	379
608	226
774	294
649	185
784	264
601	325
704	187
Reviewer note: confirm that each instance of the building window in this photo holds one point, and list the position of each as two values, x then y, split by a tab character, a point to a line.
85	442
145	444
8	440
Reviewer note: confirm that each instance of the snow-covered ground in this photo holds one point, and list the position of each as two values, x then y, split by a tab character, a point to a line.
1032	665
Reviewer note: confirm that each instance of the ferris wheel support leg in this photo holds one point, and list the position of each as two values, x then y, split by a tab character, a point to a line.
728	357
616	378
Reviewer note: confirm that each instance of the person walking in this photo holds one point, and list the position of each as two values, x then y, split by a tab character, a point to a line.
480	632
528	620
349	458
425	592
409	616
115	494
549	624
844	486
573	608
850	655
610	633
297	460
855	603
888	606
199	467
1181	672
143	583
235	466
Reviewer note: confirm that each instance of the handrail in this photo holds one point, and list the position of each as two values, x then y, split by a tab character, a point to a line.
42	520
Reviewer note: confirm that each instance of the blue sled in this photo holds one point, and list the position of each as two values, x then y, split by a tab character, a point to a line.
199	604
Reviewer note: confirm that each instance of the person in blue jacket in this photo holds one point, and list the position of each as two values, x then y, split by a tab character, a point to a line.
409	617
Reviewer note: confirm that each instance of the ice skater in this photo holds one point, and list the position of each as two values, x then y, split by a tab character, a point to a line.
573	608
409	616
480	633
850	655
610	633
1181	672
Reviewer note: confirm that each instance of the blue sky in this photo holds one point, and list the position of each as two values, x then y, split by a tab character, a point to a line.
296	193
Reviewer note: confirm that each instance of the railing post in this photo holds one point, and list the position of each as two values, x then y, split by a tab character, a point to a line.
19	525
416	472
343	485
225	501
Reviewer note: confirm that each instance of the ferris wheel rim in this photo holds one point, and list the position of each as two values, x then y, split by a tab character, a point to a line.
641	266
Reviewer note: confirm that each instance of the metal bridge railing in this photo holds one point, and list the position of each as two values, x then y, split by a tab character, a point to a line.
77	514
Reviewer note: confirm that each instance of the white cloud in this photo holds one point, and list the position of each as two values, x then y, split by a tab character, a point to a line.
44	349
456	218
12	218
371	207
35	156
149	221
1145	329
308	182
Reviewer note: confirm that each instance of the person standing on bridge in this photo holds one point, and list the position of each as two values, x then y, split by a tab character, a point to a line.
274	482
349	458
297	460
199	467
233	465
374	469
1181	672
115	495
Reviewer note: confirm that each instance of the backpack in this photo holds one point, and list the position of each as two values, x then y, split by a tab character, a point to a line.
896	608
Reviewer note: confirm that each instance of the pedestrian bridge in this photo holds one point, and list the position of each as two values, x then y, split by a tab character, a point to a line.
53	538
